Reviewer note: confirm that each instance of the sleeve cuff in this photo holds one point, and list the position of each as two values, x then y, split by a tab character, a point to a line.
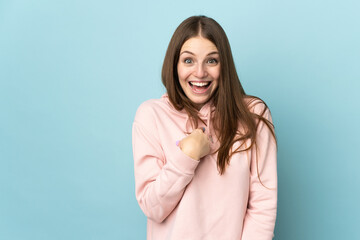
183	162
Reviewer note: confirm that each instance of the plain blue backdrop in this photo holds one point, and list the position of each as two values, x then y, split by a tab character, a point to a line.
72	74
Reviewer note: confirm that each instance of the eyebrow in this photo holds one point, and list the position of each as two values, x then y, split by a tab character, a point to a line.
214	52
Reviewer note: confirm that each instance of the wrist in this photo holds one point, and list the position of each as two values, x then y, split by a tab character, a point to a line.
189	152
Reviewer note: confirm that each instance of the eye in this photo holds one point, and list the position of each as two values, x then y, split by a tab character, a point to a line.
188	60
212	61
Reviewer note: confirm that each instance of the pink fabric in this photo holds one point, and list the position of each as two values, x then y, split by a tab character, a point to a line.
185	199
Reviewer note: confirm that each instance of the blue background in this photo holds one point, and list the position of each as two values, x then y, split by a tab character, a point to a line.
72	74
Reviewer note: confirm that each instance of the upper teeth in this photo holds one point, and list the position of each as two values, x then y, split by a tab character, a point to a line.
199	84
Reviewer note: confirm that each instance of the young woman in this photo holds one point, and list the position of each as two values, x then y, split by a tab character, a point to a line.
205	153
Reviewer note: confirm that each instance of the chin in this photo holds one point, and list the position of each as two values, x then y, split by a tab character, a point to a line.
199	102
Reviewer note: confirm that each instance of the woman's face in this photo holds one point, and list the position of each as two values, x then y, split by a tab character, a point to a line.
199	69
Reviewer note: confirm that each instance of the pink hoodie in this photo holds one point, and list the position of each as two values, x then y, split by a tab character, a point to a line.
185	199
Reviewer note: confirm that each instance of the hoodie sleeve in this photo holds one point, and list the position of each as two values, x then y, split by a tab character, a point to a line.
160	180
260	215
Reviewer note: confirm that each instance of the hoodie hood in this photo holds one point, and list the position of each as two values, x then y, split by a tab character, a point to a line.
205	114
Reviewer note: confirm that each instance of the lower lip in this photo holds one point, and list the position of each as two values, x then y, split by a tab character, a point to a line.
199	90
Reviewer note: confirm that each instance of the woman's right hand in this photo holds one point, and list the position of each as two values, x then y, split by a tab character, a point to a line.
196	145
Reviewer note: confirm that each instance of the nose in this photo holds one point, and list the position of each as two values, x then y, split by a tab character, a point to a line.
200	71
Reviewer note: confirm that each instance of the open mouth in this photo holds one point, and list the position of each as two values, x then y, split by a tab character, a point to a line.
200	87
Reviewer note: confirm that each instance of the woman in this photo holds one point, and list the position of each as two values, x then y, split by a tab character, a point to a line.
205	153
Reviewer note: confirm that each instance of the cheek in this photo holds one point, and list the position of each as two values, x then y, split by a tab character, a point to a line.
183	73
216	74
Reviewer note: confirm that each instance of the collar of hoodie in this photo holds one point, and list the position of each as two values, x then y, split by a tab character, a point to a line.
204	114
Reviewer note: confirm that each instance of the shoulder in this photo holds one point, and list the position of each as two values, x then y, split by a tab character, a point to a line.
145	120
256	105
147	110
154	116
153	110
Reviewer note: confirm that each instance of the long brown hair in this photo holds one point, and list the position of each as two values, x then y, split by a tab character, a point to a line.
231	108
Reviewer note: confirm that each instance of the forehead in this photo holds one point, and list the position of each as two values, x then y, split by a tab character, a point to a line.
197	44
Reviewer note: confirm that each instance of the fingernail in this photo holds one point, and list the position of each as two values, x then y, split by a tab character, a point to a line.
203	128
177	143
